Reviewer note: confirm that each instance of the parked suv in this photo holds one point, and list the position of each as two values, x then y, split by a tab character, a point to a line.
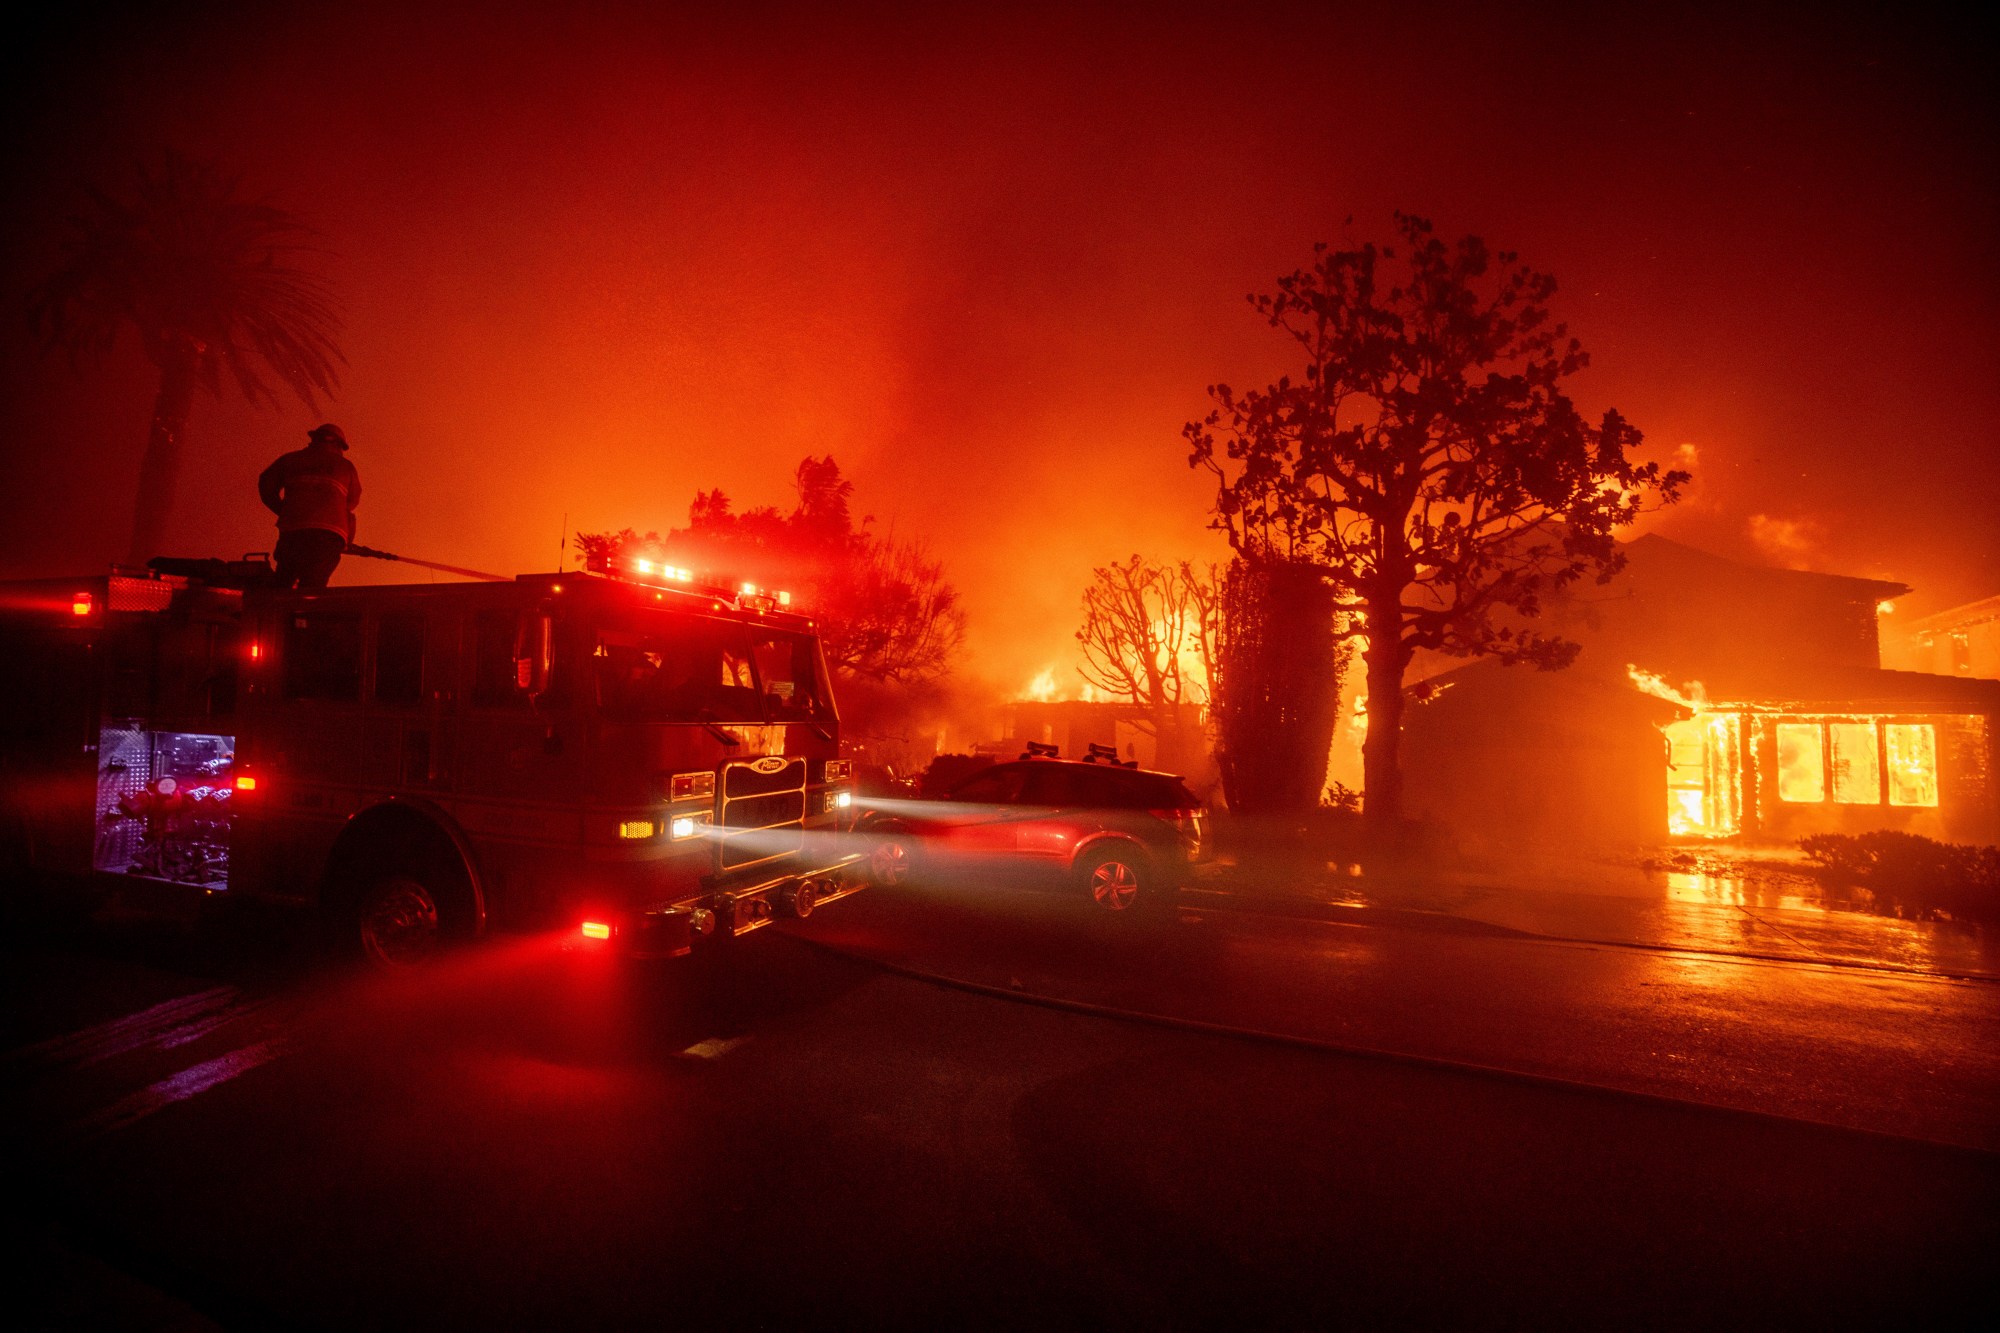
1126	837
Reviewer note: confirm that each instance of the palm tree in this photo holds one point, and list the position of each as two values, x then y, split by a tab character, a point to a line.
207	279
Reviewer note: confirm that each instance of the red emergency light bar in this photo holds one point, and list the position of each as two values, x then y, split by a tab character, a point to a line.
671	572
652	573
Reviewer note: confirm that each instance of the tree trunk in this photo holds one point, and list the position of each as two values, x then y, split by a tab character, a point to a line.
1381	766
160	469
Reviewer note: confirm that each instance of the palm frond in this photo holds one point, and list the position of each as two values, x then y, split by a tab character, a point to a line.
197	271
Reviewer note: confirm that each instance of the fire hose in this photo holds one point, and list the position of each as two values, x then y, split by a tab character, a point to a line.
371	553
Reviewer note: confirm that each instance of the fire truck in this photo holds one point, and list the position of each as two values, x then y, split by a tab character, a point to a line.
638	754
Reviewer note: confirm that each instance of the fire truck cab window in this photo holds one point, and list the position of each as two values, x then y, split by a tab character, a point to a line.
671	668
495	678
399	660
786	677
323	656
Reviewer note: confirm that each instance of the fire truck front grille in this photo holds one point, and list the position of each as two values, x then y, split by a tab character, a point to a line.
763	810
760	777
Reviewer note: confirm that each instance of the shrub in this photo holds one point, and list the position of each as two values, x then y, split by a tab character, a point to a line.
1915	876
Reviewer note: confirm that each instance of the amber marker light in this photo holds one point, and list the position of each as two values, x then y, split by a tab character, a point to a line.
637	829
596	930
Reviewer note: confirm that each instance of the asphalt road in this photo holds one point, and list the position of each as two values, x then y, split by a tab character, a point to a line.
537	1136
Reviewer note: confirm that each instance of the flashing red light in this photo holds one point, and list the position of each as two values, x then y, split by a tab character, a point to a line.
256	650
244	782
82	604
596	930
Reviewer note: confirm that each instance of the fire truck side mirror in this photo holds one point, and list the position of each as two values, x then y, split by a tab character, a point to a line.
533	651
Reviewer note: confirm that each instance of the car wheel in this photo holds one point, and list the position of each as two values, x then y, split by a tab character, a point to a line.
1118	880
397	923
892	859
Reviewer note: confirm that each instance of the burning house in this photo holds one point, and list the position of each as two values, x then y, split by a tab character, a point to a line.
1711	699
1961	641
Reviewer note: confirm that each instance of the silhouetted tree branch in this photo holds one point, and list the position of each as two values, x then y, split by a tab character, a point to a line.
884	608
1148	639
1428	461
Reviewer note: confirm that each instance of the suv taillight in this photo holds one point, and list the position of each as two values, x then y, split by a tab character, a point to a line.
1191	823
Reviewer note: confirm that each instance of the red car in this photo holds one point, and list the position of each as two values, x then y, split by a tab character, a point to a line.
1126	837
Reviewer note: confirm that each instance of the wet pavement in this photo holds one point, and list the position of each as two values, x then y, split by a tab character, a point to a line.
1880	1050
1749	909
977	1108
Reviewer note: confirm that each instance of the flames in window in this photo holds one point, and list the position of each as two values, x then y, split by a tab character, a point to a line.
1912	751
1705	776
1860	760
1857	761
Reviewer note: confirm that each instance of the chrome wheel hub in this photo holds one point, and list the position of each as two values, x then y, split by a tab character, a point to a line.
890	862
399	923
1114	885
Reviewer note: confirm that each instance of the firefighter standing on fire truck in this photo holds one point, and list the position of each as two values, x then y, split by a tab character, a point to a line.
313	491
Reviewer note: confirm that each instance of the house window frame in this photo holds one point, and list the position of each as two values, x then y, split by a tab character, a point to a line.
1829	784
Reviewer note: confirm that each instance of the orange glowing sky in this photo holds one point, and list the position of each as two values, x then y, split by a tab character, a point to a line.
593	262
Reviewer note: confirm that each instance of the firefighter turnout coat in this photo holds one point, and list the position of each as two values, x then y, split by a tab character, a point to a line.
312	488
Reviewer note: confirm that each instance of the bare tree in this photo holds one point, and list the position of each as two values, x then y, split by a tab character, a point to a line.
1428	463
1148	639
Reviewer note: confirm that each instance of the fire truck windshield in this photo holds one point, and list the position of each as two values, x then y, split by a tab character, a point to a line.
664	667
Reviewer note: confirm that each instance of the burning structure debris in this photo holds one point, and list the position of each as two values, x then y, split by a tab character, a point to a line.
1710	699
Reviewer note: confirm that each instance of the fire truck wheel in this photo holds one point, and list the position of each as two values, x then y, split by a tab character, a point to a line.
397	922
1118	880
892	858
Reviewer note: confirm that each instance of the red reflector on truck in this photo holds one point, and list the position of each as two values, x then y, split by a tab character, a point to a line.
596	930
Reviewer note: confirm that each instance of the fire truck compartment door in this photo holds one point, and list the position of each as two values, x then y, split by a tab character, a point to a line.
430	734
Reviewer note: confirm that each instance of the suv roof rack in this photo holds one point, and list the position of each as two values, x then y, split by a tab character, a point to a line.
1108	754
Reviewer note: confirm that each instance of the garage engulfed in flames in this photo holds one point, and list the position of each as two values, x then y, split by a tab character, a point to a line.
1720	751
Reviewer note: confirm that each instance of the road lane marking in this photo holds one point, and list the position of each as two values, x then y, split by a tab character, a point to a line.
94	1045
714	1048
187	1084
